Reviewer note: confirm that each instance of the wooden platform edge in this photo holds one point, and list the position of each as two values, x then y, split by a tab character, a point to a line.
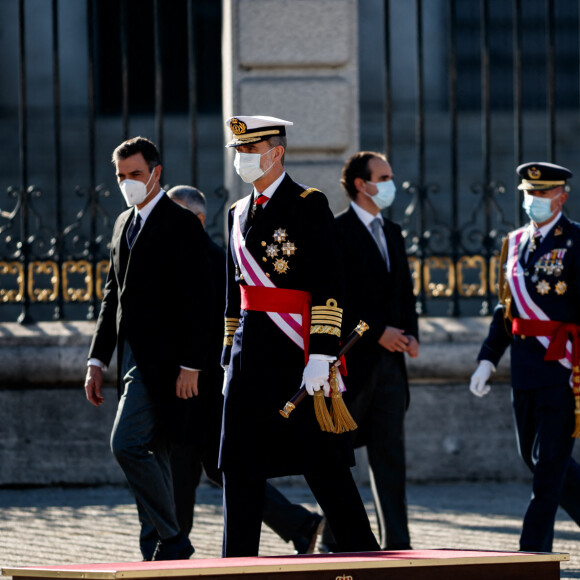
264	568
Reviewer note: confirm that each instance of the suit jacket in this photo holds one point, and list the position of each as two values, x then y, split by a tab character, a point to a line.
156	298
375	295
294	240
556	290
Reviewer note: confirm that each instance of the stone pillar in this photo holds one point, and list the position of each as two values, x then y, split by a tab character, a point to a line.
297	60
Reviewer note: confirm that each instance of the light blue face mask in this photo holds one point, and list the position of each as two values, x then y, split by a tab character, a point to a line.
539	209
385	195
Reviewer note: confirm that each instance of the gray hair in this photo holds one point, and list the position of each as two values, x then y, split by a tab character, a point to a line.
193	199
279	141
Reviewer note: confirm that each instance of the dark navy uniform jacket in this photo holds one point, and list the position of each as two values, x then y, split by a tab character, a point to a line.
555	288
265	366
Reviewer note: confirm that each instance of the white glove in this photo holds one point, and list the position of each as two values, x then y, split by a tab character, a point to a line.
480	377
316	373
225	379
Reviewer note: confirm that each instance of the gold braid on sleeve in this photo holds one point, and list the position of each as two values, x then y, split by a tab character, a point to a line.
503	291
326	319
230	327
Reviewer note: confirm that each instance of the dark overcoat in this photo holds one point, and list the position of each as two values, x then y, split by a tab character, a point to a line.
157	298
265	366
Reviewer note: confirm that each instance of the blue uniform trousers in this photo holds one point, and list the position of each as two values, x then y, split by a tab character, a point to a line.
545	421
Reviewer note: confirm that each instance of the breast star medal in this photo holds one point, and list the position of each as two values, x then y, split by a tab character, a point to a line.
543	287
288	248
561	288
279	235
281	266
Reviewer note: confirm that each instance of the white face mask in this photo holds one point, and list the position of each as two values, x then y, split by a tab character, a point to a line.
247	166
385	195
135	192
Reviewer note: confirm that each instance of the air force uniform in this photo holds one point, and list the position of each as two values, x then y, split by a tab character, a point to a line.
538	314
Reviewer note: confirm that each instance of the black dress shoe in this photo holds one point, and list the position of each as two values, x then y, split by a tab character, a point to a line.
177	548
397	547
329	548
305	540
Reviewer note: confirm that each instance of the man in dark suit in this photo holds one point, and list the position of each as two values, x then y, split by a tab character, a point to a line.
379	291
292	522
539	318
285	288
158	278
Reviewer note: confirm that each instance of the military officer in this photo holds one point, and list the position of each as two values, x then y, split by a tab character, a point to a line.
539	317
282	328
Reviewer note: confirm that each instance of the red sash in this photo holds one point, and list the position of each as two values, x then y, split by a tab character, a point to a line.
282	300
560	333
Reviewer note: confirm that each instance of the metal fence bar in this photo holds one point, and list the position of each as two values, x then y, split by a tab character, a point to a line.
488	187
59	240
93	194
517	115
24	251
550	80
192	94
124	68
158	77
452	74
388	82
420	142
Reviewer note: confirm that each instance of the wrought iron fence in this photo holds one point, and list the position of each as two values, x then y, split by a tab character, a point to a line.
508	92
54	242
509	80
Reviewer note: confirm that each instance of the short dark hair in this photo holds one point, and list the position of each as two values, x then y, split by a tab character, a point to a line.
138	145
357	166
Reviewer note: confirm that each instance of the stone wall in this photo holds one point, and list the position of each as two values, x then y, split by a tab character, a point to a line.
50	434
297	61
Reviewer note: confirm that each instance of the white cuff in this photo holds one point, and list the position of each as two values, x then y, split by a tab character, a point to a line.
323	357
95	362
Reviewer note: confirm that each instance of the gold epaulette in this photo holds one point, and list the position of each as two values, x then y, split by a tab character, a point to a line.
234	204
308	191
230	327
326	319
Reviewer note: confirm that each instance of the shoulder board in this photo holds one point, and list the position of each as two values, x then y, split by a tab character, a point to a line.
308	191
234	204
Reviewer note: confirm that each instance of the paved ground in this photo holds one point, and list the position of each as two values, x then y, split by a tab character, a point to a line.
58	526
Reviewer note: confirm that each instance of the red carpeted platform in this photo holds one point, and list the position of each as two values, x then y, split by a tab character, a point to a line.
404	565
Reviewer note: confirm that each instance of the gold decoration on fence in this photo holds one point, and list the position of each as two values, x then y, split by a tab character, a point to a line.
494	266
15	270
444	264
46	268
77	268
102	271
415	268
471	263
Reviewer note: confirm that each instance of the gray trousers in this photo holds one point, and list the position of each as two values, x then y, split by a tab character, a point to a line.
142	451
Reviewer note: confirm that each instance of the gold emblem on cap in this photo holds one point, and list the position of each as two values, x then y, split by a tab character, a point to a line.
534	173
238	127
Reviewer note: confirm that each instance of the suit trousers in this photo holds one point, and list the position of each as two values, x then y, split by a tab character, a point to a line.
142	451
379	409
545	421
334	490
283	517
